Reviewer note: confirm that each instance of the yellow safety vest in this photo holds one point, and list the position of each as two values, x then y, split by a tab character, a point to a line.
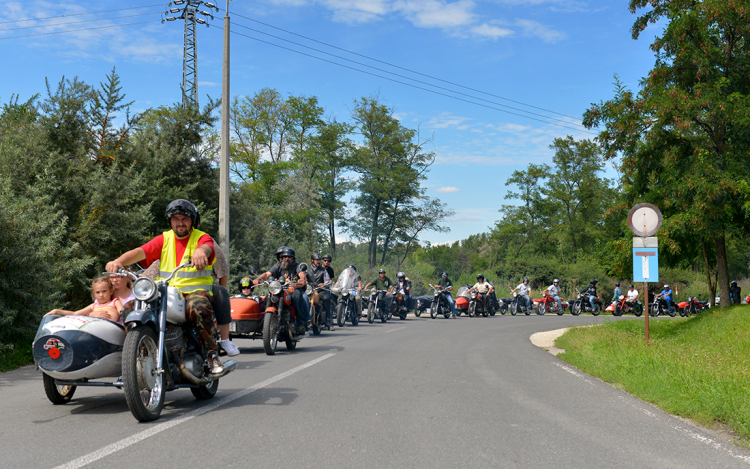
188	279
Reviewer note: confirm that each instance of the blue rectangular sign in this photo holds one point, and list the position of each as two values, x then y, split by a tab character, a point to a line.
645	264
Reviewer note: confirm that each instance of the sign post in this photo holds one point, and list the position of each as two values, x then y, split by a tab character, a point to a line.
644	220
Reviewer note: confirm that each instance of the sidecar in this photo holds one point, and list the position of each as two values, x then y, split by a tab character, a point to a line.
247	318
79	347
462	300
422	304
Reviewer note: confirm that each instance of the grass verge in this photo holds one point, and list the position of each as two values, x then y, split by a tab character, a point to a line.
697	367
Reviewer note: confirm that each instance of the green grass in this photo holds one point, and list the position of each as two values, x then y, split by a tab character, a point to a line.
12	357
697	367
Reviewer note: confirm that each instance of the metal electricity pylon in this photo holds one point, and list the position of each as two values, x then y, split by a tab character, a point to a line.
189	12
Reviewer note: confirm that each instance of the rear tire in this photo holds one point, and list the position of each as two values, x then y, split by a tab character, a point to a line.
55	393
207	391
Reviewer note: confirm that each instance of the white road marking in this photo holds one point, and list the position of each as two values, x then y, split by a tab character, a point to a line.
393	330
574	373
124	443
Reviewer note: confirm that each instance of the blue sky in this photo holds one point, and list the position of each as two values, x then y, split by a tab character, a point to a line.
553	54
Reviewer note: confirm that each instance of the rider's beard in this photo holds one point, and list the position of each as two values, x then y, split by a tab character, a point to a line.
284	265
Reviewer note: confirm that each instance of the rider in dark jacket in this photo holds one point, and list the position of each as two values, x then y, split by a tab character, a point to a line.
591	292
735	293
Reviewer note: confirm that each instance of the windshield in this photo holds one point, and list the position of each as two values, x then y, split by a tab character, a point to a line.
462	291
348	279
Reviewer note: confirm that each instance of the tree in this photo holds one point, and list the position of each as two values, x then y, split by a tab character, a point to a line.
684	136
392	163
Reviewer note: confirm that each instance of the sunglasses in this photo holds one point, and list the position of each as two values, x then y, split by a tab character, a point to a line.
326	260
245	287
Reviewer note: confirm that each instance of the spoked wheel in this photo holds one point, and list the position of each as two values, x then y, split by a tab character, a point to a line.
513	309
654	311
371	312
57	394
144	387
340	315
597	309
472	309
541	309
207	391
355	318
575	310
270	333
434	309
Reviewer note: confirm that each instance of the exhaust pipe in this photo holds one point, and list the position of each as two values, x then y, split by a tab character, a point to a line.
229	366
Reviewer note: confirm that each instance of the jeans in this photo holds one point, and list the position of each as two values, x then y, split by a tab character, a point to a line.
452	303
301	305
527	300
669	302
591	300
559	302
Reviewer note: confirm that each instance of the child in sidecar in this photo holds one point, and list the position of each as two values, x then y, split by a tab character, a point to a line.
104	306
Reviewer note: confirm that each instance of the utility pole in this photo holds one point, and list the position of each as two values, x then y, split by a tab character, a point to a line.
190	52
224	163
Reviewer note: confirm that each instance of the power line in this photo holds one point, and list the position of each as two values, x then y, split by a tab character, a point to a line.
82	21
80	14
409	78
410	84
76	30
396	66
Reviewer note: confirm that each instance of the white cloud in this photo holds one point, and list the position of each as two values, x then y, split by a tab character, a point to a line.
437	14
447	190
490	31
446	119
545	33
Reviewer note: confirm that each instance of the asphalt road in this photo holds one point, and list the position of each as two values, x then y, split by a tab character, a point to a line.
426	393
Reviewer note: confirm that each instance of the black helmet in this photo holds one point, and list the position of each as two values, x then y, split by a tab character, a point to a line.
183	207
351	266
631	286
525	279
734	282
400	275
594	281
327	256
482	276
285	251
381	271
314	256
445	275
617	284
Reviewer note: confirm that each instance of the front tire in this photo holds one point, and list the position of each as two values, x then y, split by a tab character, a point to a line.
207	391
270	333
618	310
143	386
57	394
654	311
575	309
340	314
355	318
472	309
434	309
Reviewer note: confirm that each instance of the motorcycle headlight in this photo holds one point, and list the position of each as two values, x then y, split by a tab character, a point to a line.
274	287
144	289
622	297
345	293
308	290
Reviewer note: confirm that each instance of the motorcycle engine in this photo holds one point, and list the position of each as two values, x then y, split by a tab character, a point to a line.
173	338
194	364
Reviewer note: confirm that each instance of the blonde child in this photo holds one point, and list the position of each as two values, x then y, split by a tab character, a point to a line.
104	305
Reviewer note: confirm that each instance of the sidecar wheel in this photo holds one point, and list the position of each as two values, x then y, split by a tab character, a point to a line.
207	391
55	393
143	386
340	315
270	333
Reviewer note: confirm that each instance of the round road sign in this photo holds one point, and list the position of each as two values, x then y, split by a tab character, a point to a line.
644	220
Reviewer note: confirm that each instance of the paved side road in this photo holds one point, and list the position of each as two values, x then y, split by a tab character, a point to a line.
472	392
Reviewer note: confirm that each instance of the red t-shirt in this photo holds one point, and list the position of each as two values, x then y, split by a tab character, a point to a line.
153	248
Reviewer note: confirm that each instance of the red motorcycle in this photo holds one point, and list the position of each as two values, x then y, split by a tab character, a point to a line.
548	304
692	306
621	306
